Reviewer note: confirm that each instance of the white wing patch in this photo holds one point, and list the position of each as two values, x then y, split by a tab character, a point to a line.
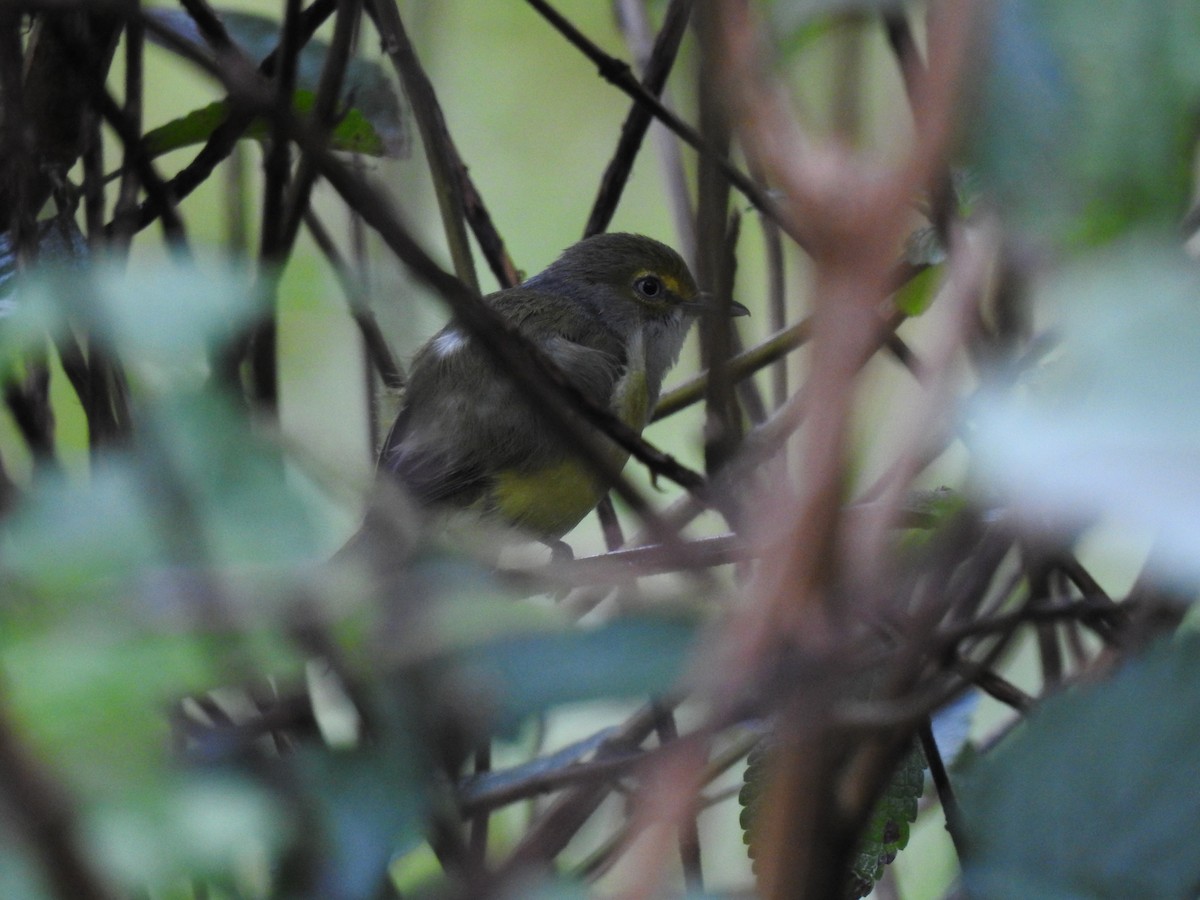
448	342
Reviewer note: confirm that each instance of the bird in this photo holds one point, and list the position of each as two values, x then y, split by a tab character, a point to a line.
611	312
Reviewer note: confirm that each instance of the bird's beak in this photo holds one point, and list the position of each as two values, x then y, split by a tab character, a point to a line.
707	304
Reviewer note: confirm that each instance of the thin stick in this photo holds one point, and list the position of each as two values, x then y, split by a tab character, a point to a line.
618	74
431	124
637	121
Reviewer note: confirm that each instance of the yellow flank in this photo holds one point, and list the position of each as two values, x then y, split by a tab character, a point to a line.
548	501
553	500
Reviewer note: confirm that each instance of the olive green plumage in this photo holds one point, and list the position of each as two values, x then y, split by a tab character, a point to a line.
612	312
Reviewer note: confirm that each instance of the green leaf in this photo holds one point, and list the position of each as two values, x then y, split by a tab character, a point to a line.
354	132
510	677
376	121
1095	796
1085	120
887	830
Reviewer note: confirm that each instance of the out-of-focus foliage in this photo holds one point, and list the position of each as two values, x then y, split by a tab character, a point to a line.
1106	426
1085	123
1094	795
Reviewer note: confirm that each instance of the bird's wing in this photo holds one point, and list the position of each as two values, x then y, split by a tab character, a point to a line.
462	421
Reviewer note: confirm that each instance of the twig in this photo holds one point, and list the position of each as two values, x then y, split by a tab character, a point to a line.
635	24
618	74
223	138
128	190
637	121
376	345
945	790
546	838
689	834
431	123
457	194
261	344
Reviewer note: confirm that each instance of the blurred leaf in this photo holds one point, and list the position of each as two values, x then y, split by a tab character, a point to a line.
923	249
915	296
372	804
160	316
1085	121
353	134
1108	427
253	516
1096	795
366	87
515	677
68	540
59	242
212	494
92	698
197	825
20	878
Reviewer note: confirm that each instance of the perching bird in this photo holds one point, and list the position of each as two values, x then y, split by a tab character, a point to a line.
612	313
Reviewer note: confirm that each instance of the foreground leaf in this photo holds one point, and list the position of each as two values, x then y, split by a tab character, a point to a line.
1096	795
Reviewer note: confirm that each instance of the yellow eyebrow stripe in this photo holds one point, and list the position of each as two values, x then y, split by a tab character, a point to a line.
670	282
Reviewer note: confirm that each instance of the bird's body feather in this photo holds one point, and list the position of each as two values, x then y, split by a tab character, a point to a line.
467	438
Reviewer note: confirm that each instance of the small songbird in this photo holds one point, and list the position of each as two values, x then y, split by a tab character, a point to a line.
612	313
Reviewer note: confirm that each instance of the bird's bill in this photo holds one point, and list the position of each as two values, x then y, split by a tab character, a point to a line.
707	304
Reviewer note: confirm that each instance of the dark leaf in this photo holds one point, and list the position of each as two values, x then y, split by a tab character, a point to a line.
1096	795
512	678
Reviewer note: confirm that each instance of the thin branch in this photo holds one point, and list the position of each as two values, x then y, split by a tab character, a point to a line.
636	26
637	121
443	161
324	116
619	75
376	345
226	135
547	837
689	834
128	192
945	790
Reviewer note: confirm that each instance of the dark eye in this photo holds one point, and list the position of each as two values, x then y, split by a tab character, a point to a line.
648	286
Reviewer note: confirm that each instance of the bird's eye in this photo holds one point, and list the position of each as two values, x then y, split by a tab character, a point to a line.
648	286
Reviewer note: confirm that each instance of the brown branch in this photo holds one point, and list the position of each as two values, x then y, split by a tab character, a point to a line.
555	828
